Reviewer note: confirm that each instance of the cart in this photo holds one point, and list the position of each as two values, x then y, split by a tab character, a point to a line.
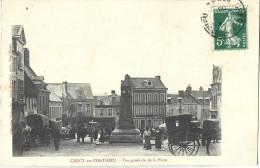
40	127
183	135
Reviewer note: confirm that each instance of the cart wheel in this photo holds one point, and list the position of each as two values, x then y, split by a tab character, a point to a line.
182	146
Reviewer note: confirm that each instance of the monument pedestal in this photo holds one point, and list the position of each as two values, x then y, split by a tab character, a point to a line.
126	136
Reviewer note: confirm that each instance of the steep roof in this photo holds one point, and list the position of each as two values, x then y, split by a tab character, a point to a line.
32	76
186	99
74	90
17	30
147	83
53	96
198	93
56	88
104	99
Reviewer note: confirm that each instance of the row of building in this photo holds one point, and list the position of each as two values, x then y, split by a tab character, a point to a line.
151	102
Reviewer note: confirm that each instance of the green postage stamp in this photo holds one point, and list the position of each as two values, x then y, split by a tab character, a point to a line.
225	21
230	29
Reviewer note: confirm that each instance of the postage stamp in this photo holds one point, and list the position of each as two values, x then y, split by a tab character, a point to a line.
226	22
230	25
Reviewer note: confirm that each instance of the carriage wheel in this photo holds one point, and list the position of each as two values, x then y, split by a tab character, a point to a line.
179	146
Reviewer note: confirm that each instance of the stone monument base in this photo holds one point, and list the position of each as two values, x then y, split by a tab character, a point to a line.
126	136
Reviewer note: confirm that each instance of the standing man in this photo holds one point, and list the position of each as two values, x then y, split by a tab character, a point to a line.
81	133
56	139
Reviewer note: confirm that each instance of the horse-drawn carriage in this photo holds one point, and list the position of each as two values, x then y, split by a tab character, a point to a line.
183	137
184	134
40	127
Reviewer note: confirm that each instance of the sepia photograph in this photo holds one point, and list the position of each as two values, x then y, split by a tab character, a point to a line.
129	83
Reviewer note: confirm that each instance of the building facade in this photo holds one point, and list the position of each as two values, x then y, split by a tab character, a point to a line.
55	106
216	87
107	109
18	101
77	99
195	102
36	92
148	102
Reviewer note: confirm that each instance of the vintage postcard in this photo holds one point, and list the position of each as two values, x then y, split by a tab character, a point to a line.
129	83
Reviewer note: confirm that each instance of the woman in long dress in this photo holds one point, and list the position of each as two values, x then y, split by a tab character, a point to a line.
227	26
147	135
158	138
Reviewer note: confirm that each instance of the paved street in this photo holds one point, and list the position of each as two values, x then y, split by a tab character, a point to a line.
73	148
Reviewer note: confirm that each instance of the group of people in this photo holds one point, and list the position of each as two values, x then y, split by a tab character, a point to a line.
93	133
147	137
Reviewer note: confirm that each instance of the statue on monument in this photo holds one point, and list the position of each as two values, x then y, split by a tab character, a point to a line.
126	131
126	118
216	74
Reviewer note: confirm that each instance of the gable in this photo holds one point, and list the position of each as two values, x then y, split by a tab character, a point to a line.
23	36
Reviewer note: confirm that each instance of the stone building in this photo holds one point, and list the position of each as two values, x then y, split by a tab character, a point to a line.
55	106
77	99
196	102
149	101
36	93
216	87
18	42
107	109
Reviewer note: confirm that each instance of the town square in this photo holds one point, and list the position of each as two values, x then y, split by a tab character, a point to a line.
54	117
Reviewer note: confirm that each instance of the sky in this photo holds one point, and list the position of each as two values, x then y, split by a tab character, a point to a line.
98	43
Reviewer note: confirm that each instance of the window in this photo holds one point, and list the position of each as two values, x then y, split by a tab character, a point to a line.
110	112
137	110
88	108
156	98
136	97
136	123
142	112
30	103
142	98
149	109
14	44
155	110
101	112
19	60
149	98
13	88
14	63
80	108
162	97
162	110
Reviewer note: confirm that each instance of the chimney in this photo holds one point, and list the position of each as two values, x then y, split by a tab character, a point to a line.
158	77
209	90
201	88
65	87
113	91
26	57
188	90
181	93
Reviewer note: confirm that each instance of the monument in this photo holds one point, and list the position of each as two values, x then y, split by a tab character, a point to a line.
126	131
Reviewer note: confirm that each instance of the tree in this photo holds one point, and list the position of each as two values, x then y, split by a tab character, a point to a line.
72	109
